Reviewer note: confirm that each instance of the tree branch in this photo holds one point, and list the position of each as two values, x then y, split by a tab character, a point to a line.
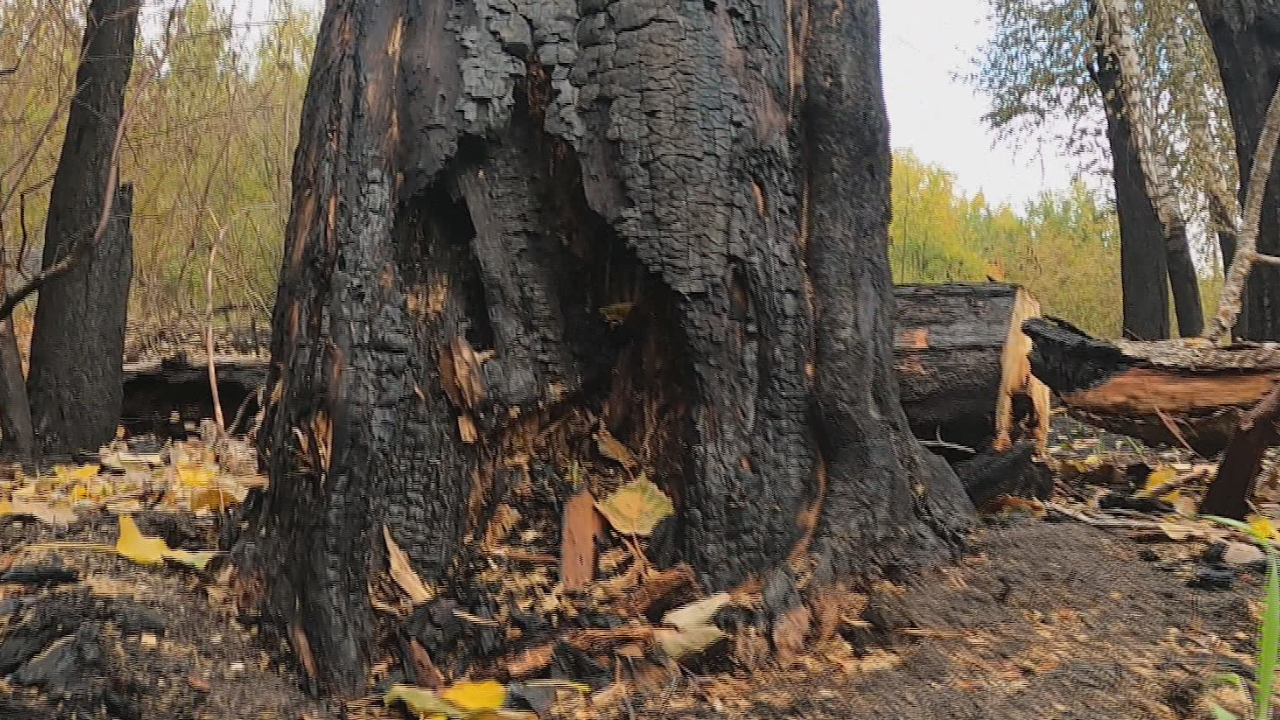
84	244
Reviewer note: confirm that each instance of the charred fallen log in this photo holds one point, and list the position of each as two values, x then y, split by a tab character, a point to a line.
961	362
962	368
162	397
1165	392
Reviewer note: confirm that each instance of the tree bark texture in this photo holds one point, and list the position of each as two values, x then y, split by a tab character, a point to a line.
673	213
1246	41
1116	35
1143	260
15	410
962	363
74	379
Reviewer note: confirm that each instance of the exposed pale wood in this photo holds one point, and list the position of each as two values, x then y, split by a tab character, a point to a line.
961	360
1167	392
1149	390
1229	493
1016	378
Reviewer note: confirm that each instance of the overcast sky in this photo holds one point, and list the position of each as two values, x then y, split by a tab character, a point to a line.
923	43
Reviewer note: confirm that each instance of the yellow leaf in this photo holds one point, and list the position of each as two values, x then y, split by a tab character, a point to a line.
612	448
135	546
636	508
464	700
144	550
1158	477
72	473
196	559
421	702
212	498
195	476
1261	524
483	695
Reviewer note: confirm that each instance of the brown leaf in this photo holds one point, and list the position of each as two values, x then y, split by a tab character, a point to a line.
467	428
601	639
403	573
425	672
503	521
789	633
663	588
531	661
581	527
199	684
302	649
612	448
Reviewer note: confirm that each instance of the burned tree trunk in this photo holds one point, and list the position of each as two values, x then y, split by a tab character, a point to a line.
74	379
1248	52
1143	260
511	226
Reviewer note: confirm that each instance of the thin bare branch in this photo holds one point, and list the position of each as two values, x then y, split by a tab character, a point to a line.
84	244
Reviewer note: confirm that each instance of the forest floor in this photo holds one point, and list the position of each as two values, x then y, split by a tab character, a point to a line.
1045	616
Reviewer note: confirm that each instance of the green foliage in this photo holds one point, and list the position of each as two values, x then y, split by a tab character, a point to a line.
1063	247
1035	72
209	145
1268	630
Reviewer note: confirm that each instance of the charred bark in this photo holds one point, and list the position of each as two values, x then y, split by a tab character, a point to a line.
1246	42
961	361
1143	261
15	410
74	379
671	216
1117	48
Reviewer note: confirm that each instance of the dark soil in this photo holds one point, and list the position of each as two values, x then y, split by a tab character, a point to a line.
1044	621
1038	620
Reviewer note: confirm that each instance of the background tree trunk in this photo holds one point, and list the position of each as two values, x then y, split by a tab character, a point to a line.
1143	260
1245	41
77	344
669	216
1123	98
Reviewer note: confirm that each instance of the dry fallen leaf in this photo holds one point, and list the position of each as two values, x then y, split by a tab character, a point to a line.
612	448
581	526
636	508
403	573
1158	477
195	476
133	545
693	630
73	473
463	700
678	643
44	512
699	612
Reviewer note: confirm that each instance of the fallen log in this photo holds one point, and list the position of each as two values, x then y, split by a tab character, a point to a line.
1232	489
155	392
1163	392
963	370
